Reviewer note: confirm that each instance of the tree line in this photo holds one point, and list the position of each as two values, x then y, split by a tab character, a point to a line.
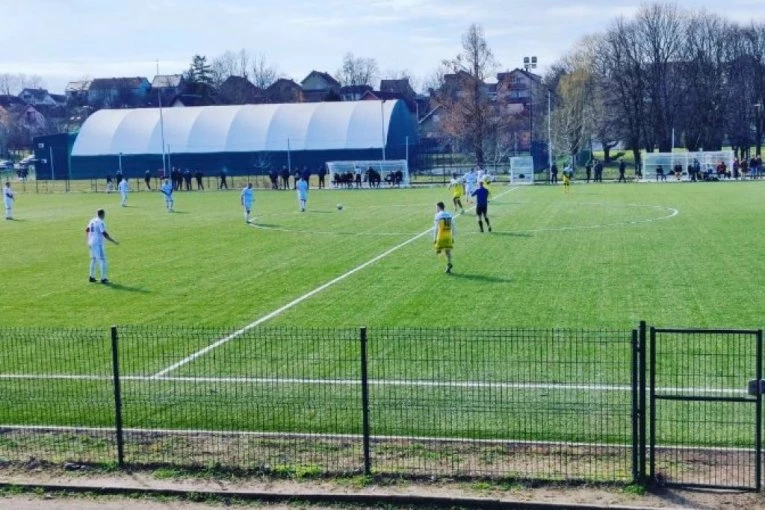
666	74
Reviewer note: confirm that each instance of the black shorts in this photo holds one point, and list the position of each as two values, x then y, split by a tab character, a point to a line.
481	210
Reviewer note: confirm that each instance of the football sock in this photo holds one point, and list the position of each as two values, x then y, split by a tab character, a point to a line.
92	268
480	225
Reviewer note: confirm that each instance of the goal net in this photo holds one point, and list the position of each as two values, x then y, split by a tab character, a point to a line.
371	174
522	170
706	162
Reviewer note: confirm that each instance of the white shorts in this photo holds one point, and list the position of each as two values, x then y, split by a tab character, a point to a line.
97	252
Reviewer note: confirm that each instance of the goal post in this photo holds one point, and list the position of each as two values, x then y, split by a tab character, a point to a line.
522	170
374	173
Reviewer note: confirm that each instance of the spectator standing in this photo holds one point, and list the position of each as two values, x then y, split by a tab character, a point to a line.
322	174
285	175
622	169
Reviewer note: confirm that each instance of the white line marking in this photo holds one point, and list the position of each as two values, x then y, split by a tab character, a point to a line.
375	382
359	437
294	302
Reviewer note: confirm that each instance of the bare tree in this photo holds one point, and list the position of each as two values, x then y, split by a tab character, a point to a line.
230	64
358	71
470	116
263	74
620	63
12	84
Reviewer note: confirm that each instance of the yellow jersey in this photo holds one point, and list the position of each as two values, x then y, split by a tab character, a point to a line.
458	189
444	231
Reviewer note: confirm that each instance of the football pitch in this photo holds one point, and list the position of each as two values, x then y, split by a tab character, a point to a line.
188	286
602	256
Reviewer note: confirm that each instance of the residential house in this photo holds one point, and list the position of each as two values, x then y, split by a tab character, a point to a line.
431	131
240	90
118	92
403	90
354	92
517	92
38	97
21	122
165	88
76	92
320	86
284	90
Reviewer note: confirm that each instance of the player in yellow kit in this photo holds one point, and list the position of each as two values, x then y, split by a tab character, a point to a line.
458	189
443	234
566	182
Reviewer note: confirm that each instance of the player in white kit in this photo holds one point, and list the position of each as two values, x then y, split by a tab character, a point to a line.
247	198
123	188
8	198
167	190
302	192
471	182
96	233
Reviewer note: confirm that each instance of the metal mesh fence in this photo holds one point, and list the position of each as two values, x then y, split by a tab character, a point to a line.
506	403
515	403
56	399
283	400
705	423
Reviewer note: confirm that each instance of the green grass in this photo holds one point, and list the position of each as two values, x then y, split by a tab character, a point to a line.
548	264
593	262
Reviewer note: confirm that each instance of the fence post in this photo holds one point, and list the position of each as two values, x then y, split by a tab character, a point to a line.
635	408
117	400
642	370
758	417
365	402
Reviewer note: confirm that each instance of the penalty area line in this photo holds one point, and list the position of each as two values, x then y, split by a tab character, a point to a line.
294	302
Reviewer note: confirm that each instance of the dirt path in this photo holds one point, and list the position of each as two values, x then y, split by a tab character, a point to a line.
228	488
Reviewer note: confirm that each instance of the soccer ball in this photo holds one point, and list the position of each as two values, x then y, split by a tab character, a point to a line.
339	207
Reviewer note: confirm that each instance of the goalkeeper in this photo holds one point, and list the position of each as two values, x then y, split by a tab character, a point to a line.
443	234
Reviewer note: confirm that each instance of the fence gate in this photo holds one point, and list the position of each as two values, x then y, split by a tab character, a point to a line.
705	395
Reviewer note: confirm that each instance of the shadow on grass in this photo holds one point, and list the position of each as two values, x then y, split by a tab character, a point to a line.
480	278
127	288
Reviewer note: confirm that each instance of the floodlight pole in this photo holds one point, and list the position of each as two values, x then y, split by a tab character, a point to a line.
382	126
530	63
161	127
549	130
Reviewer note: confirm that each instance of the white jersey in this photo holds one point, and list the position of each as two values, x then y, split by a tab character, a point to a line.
167	190
96	230
248	196
123	186
471	179
302	189
480	176
8	196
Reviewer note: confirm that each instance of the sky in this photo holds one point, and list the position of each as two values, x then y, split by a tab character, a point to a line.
67	40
